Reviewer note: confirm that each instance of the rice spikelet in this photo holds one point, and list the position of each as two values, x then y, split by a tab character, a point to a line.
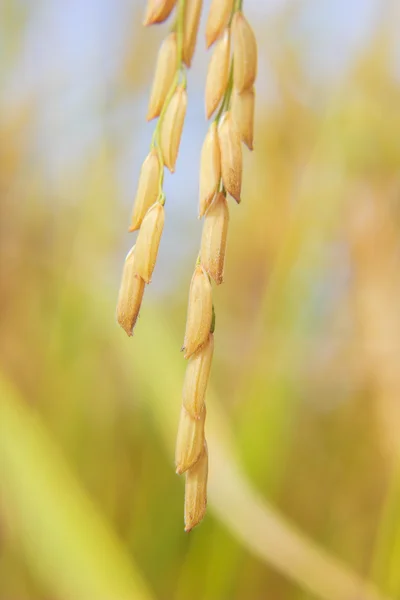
210	169
213	240
244	53
243	115
148	241
130	294
163	76
190	440
196	378
218	73
218	18
148	189
196	491
231	156
199	316
191	28
172	127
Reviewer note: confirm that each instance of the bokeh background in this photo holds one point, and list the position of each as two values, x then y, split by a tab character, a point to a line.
304	401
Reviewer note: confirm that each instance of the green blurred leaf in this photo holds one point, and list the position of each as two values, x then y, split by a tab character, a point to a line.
66	541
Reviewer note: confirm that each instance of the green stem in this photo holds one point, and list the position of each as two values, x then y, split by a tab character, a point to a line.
212	328
227	96
229	89
179	33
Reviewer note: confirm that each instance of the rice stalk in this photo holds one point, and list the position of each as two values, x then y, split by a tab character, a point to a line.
229	89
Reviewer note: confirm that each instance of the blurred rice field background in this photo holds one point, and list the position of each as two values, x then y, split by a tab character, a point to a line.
304	401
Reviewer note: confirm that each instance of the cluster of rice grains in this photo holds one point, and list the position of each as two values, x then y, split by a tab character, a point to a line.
229	91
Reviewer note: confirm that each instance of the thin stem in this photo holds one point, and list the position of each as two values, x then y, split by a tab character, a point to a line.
212	328
227	96
179	33
229	89
155	141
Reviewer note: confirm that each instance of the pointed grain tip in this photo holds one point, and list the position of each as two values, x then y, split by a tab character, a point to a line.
196	492
190	29
158	11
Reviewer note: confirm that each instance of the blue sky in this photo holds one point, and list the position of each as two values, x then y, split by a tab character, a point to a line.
70	55
72	48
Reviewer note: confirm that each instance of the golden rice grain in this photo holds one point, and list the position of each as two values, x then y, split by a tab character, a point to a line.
218	18
171	130
130	294
148	189
158	11
244	53
148	241
199	316
218	74
210	169
190	440
164	75
196	378
214	236
231	156
196	491
243	114
190	29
